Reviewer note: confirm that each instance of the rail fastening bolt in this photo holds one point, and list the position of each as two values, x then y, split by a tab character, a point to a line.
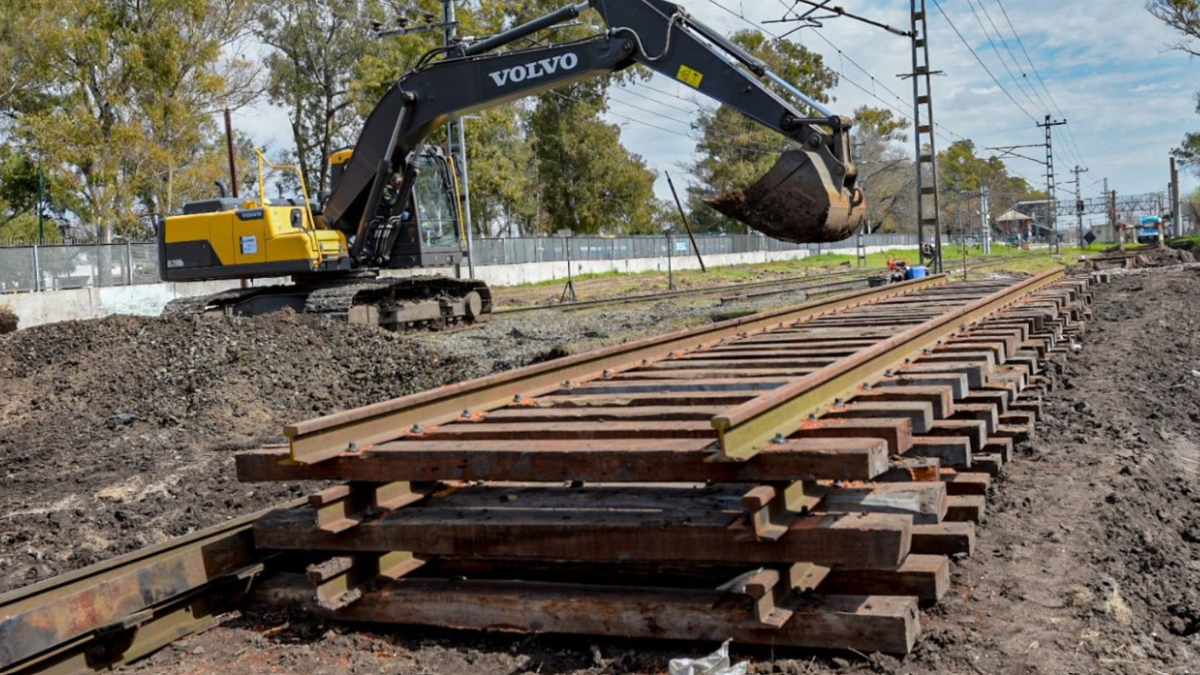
779	439
353	447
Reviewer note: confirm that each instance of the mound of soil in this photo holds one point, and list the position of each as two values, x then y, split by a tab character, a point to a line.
116	433
8	320
1135	259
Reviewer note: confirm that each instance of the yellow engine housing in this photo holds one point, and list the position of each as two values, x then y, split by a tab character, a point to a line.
224	239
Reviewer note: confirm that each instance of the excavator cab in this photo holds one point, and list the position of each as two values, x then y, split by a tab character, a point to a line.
430	225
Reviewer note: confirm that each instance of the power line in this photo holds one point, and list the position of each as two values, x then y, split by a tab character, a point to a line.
981	63
1038	75
986	34
874	80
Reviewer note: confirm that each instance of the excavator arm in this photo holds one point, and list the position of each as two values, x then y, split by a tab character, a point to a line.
809	195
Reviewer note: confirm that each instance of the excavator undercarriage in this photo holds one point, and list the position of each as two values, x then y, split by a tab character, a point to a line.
398	304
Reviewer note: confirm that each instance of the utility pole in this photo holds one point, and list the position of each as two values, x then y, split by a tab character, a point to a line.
925	139
456	137
1079	203
985	215
1049	125
1176	199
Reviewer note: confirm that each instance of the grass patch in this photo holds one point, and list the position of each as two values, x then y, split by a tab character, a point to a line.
1191	243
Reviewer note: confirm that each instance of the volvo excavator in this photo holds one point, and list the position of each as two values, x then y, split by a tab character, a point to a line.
393	203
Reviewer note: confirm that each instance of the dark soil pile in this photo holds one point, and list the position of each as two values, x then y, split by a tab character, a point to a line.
117	433
1135	258
8	320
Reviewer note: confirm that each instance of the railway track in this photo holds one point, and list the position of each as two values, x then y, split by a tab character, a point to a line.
730	291
798	477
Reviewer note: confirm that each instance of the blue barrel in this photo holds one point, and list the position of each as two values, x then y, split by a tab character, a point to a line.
917	272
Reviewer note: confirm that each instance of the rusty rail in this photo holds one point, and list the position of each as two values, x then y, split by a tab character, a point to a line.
116	611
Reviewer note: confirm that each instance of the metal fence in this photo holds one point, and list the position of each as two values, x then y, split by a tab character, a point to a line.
57	267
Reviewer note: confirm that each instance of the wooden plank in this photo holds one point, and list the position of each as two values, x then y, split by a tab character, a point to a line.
999	398
897	432
972	429
1018	434
1001	447
976	372
927	577
1031	406
614	386
992	465
941	398
995	348
910	470
951	451
966	508
984	412
966	483
956	381
948	539
924	501
520	431
700	398
601	535
604	413
870	623
713	373
850	459
920	413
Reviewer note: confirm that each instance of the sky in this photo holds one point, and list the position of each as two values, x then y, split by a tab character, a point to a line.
1107	68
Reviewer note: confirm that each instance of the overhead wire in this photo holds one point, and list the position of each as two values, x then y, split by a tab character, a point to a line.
875	81
983	65
992	43
1022	83
1038	75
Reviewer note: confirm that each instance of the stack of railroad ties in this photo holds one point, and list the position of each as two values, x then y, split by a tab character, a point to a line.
800	477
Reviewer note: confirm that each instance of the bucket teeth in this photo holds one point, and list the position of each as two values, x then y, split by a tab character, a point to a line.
798	200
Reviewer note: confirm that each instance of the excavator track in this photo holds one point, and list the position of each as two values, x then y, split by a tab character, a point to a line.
423	303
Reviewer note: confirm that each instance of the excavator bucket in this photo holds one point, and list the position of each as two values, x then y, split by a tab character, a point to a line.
799	200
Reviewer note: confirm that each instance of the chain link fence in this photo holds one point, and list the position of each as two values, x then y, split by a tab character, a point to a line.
58	267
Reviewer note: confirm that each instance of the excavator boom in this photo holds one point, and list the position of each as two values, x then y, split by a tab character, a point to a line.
809	196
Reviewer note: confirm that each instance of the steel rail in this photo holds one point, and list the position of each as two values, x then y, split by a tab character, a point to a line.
747	428
352	430
791	283
122	609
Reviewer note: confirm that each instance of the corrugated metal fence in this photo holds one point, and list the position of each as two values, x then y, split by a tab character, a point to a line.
45	268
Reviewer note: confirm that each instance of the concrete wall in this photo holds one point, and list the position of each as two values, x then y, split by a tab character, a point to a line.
148	299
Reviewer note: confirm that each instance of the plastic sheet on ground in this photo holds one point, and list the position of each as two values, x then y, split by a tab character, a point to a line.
716	663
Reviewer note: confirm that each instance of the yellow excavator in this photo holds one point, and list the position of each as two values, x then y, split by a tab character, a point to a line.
394	201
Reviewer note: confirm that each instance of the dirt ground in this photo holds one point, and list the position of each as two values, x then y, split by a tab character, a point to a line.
1089	561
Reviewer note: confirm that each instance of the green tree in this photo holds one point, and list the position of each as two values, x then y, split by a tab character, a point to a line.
886	172
318	47
126	94
735	151
961	170
589	182
1184	17
504	197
